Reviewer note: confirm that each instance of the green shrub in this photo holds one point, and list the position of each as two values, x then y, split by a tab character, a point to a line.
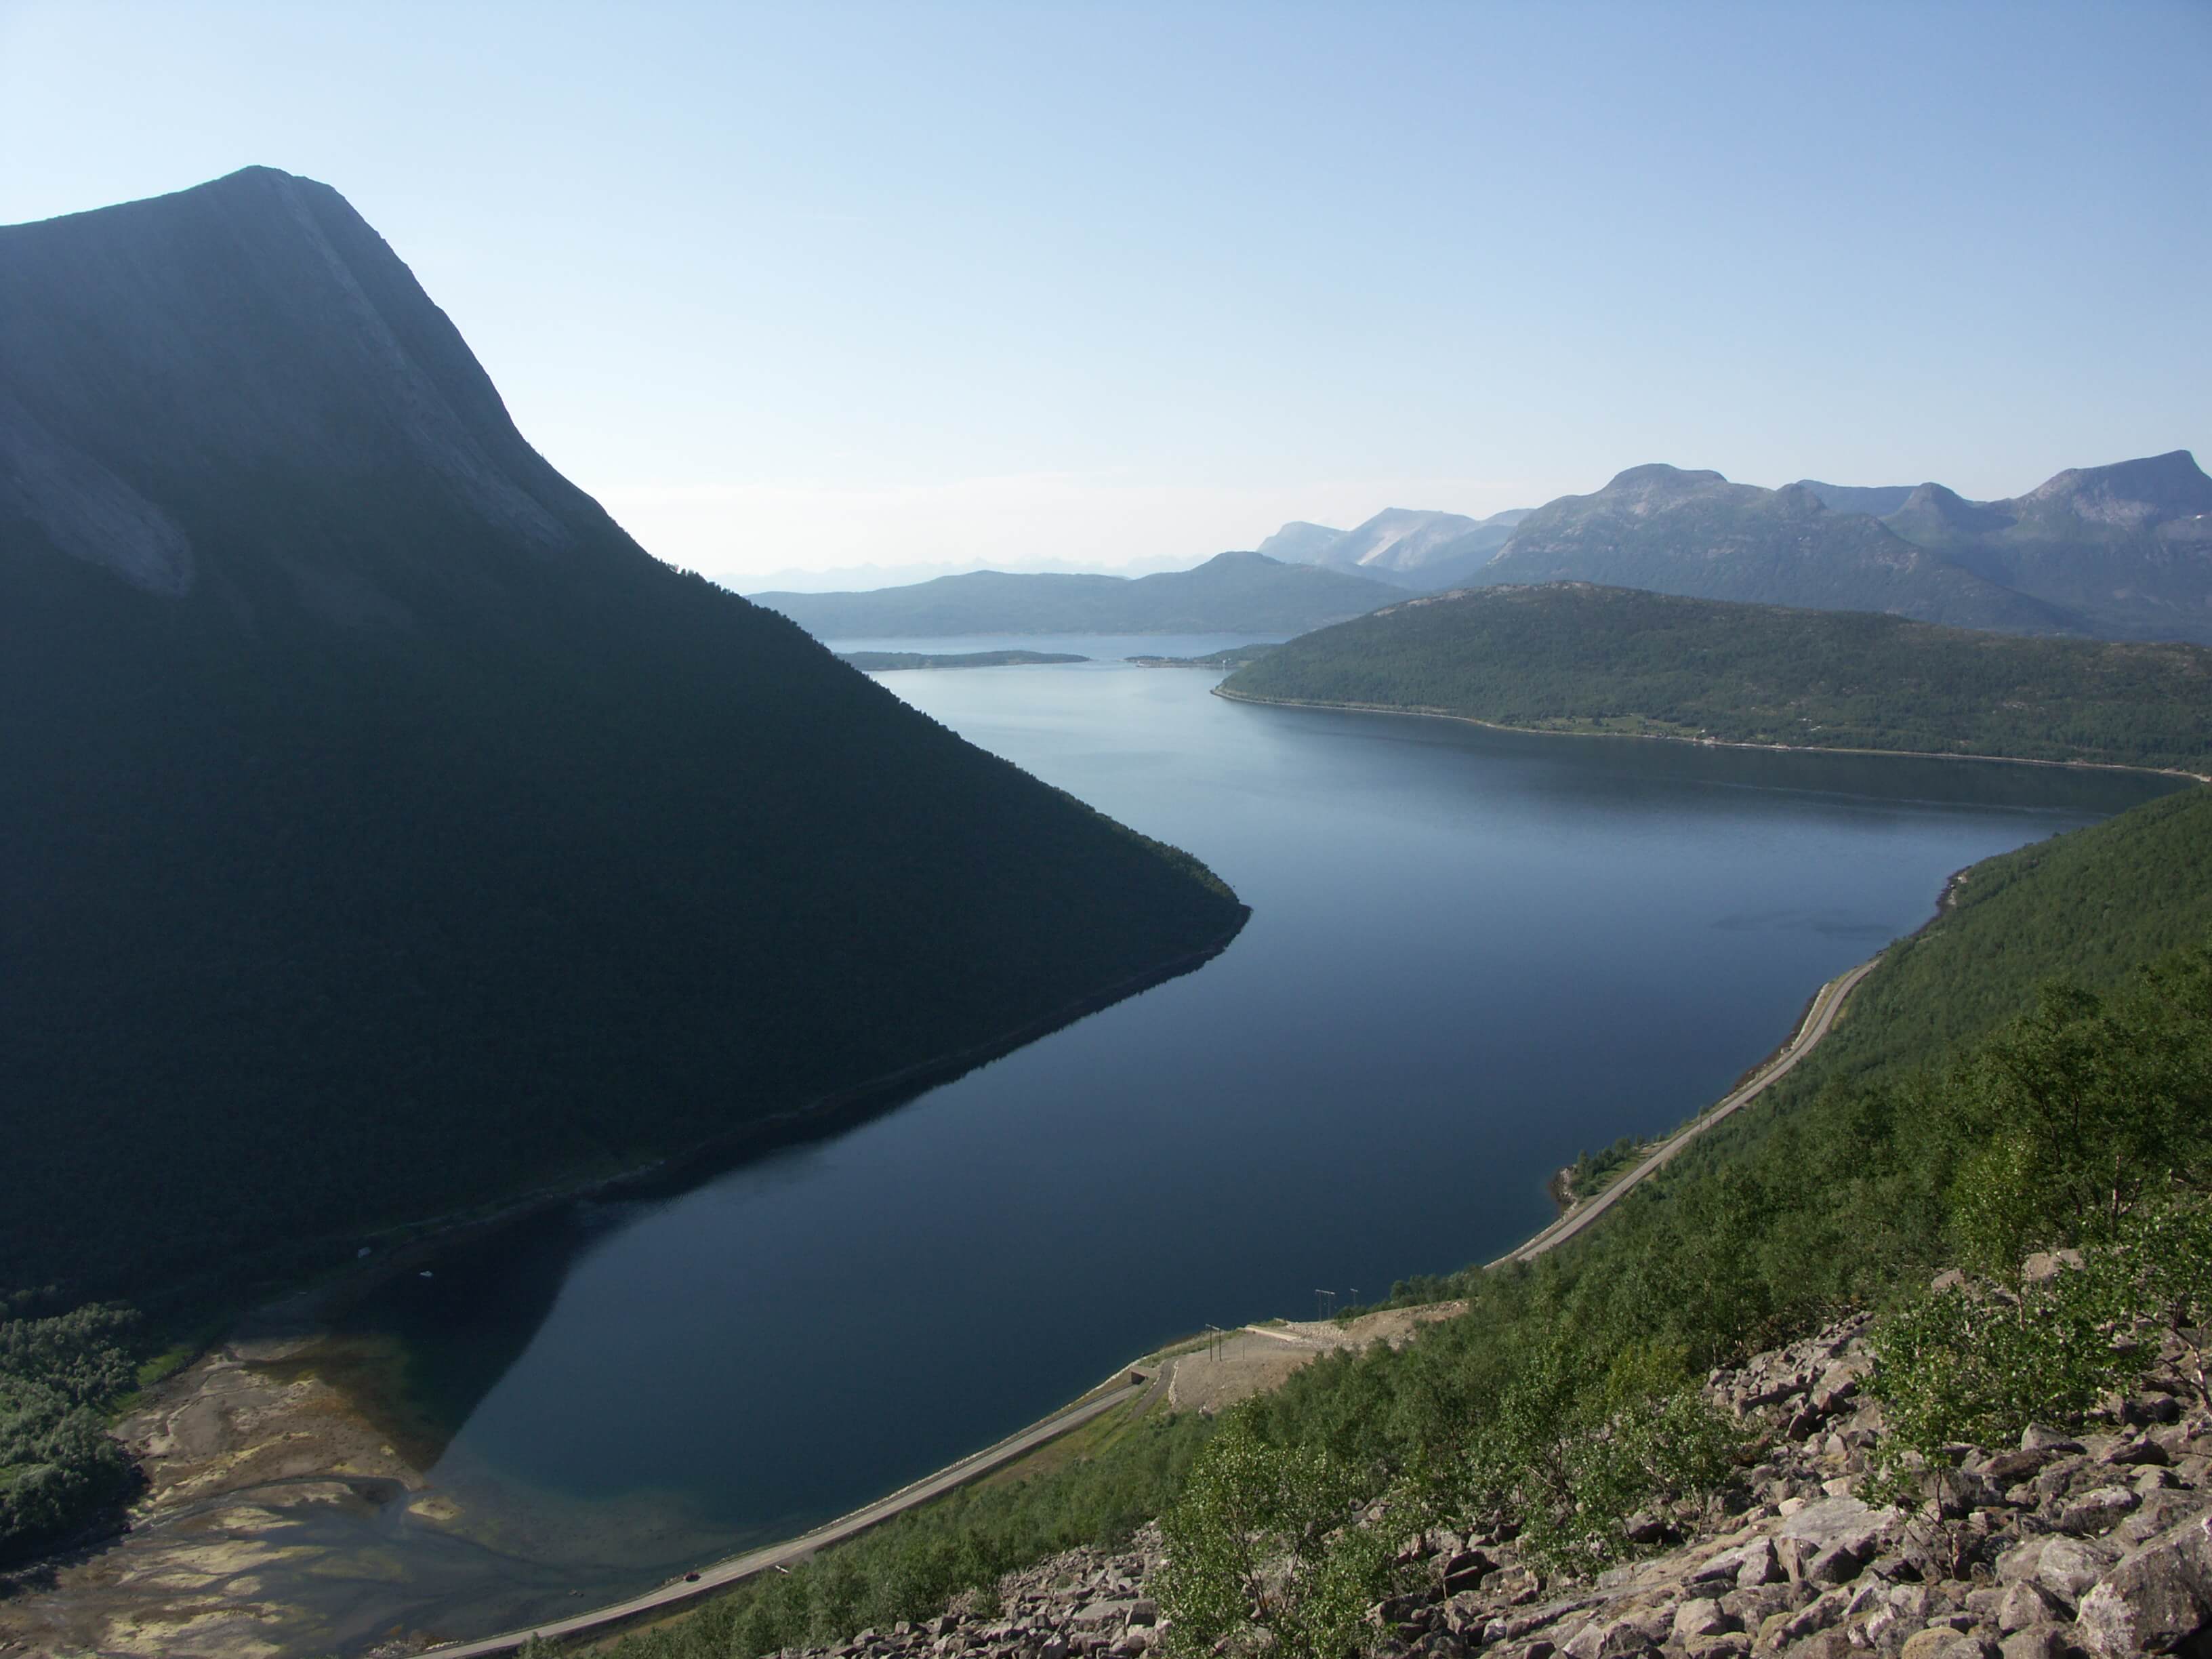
1262	1551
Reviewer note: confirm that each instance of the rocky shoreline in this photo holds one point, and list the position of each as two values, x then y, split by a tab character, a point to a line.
2096	1544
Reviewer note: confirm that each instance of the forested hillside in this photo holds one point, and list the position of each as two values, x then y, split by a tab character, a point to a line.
1571	657
387	832
2034	1069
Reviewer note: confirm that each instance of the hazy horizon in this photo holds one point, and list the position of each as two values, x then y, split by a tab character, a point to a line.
802	290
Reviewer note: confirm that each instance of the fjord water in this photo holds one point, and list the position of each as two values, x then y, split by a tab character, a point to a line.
1472	955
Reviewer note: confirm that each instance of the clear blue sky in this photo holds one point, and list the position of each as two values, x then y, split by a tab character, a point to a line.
816	285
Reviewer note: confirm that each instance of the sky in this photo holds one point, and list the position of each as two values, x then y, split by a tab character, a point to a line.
809	287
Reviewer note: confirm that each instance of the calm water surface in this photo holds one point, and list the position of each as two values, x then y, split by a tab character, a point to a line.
1472	955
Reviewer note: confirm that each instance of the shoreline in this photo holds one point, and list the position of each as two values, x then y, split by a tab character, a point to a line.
670	1595
1228	695
1805	1033
1819	1019
253	1431
400	1247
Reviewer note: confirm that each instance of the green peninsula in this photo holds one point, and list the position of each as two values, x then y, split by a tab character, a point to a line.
1574	657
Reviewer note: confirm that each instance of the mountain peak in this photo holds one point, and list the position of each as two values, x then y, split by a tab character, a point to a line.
2142	491
1301	543
1799	501
303	347
1657	475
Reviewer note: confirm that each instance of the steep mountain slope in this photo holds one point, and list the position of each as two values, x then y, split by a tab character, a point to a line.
1695	533
1230	593
1397	540
2126	547
1572	657
385	830
1300	543
1458	561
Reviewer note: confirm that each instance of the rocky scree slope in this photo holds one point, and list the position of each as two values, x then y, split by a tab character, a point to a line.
2091	1547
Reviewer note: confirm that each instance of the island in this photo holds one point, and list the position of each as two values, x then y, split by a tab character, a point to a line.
1236	656
893	662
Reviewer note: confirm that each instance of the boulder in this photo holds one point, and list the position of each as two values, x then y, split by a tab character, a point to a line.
2008	1467
1941	1642
2039	1642
2097	1510
1825	1613
1617	1639
2024	1605
2145	1450
1701	1617
1827	1543
2067	1567
1759	1566
2157	1598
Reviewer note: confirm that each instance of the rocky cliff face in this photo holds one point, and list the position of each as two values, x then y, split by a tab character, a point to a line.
2094	1546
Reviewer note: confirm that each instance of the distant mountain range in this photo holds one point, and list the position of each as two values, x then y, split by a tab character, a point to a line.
386	832
1230	593
2121	552
867	578
1418	549
2118	552
1695	533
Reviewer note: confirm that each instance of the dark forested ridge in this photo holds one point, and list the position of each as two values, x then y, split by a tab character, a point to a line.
384	831
1230	593
1574	657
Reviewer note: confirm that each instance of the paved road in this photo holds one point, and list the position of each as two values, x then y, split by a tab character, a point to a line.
725	1573
1827	1004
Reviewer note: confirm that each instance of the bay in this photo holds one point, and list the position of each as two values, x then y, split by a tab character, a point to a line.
1471	955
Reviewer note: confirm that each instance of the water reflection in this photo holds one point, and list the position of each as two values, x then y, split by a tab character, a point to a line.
1473	954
